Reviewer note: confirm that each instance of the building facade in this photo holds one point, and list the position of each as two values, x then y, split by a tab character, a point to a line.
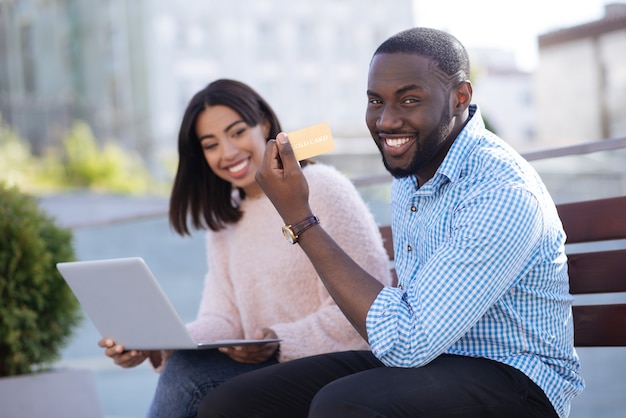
129	67
505	95
581	81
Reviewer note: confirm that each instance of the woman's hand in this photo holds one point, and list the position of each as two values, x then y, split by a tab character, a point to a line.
120	356
254	353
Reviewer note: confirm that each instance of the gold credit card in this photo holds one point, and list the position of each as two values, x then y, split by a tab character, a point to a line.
311	141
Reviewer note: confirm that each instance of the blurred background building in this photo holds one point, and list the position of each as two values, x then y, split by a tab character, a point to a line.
505	95
66	60
581	81
128	68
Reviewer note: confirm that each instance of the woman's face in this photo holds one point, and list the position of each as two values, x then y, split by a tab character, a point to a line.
232	148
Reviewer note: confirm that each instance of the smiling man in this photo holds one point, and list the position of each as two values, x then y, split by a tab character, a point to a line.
480	323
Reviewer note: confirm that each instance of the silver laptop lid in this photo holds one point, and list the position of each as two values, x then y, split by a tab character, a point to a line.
126	303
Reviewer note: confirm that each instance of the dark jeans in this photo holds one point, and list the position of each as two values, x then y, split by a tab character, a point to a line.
357	384
188	376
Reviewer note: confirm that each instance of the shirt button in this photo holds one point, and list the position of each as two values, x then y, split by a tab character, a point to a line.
413	209
400	287
409	248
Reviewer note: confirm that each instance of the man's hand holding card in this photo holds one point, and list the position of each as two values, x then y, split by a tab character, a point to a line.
280	176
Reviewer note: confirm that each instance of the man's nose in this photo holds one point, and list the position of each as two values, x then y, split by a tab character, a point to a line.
388	119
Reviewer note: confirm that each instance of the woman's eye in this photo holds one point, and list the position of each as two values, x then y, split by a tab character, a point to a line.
208	146
239	132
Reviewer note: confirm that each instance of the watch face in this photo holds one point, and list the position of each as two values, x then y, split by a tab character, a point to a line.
289	236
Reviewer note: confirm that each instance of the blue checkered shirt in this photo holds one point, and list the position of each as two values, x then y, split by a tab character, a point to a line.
482	272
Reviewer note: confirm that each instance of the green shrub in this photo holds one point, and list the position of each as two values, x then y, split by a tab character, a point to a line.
106	168
79	163
16	162
38	311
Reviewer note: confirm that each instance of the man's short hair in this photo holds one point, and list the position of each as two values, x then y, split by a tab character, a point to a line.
446	50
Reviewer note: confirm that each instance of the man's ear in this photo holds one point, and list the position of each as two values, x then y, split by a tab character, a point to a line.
463	96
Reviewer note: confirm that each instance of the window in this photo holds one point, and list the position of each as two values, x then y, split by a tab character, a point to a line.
28	57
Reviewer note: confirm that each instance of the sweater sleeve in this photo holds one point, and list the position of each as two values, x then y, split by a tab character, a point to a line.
218	315
346	218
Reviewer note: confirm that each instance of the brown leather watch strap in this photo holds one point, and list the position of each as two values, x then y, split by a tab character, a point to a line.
300	227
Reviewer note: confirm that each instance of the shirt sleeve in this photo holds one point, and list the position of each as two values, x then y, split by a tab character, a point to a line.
475	252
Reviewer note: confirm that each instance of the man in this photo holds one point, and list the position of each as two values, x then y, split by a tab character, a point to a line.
480	324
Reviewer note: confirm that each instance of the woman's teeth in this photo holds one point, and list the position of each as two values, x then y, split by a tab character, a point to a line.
238	167
396	142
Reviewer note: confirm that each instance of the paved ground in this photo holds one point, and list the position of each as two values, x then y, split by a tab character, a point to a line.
125	227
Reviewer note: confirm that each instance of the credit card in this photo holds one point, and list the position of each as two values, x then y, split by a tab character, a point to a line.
311	141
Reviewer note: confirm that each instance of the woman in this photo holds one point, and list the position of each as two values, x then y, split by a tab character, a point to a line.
258	285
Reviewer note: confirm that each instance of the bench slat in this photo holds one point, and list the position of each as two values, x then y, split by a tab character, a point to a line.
597	272
594	220
600	325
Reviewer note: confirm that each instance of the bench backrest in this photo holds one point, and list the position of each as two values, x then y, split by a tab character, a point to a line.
590	272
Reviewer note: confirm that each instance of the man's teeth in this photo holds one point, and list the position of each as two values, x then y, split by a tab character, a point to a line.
396	142
238	167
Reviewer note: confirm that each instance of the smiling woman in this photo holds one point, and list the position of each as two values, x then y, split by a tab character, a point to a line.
232	148
258	285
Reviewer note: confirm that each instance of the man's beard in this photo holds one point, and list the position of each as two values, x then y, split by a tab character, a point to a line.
431	145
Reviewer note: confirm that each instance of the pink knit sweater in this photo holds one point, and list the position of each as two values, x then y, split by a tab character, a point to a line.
257	279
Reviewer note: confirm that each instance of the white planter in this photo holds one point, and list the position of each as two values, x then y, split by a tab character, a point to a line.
58	393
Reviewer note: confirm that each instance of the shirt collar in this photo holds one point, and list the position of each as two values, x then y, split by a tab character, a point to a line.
463	145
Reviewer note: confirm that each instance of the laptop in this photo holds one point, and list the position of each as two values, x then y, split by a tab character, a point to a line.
125	302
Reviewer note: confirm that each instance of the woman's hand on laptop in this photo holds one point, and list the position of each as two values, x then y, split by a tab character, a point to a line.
120	356
254	353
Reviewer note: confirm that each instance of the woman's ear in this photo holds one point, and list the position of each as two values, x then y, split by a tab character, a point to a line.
266	125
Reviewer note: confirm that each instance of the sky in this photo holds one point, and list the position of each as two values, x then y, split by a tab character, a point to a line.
505	24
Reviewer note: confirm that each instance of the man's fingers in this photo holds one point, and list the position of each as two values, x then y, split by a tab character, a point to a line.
270	165
285	151
271	156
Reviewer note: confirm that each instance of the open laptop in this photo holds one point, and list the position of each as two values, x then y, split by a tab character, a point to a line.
125	302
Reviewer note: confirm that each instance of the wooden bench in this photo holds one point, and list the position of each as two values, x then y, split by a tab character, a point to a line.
590	272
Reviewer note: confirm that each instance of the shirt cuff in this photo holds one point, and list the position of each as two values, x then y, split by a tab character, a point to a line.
381	321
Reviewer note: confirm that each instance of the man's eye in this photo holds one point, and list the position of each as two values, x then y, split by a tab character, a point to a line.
410	100
374	101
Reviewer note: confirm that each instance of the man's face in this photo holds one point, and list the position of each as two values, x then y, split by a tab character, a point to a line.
408	113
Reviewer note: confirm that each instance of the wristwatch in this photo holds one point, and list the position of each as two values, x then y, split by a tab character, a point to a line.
293	232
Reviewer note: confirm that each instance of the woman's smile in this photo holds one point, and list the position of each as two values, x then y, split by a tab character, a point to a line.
240	169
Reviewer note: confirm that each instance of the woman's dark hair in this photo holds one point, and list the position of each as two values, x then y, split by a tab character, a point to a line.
446	50
198	192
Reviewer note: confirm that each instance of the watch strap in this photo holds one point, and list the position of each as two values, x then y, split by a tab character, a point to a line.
302	226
